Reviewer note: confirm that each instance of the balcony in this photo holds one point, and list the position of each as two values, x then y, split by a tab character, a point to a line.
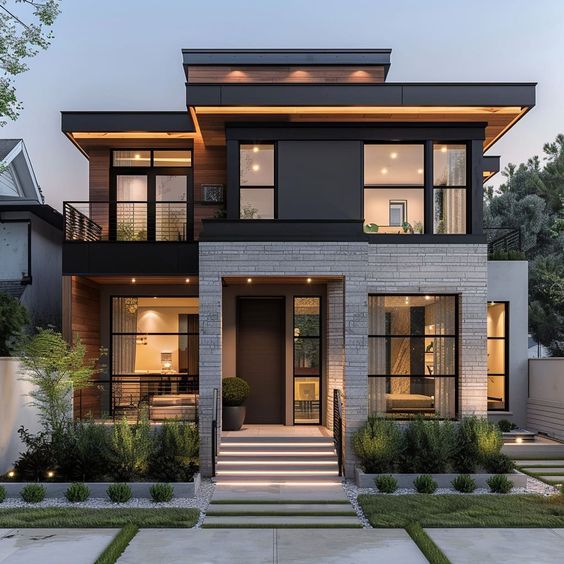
504	243
129	237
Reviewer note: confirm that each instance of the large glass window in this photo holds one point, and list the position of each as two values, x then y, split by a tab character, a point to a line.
307	360
498	363
450	189
412	355
387	207
257	181
131	207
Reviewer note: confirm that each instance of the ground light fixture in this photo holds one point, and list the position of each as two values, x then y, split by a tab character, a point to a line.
11	474
519	440
50	474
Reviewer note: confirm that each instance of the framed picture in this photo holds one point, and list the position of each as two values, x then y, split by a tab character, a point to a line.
398	212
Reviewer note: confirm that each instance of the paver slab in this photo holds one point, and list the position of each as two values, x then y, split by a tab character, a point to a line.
53	546
511	546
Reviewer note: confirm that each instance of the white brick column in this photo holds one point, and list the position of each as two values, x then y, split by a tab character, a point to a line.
335	344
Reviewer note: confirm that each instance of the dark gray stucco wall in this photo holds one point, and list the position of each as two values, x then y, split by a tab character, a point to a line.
319	179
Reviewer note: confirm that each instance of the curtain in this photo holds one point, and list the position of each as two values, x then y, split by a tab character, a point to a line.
376	355
124	320
443	356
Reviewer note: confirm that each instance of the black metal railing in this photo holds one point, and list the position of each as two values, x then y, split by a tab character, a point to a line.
214	428
126	221
503	239
160	396
338	428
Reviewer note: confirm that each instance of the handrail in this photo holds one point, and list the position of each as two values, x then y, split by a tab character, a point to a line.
503	239
215	411
338	428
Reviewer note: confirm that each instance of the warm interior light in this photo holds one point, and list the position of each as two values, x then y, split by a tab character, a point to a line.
427	297
133	280
519	440
309	280
249	280
393	156
384	171
443	149
187	280
137	156
255	149
256	167
419	171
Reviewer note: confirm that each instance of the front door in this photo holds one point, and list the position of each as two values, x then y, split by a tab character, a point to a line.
261	356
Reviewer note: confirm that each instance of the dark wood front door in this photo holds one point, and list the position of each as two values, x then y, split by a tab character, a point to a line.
260	357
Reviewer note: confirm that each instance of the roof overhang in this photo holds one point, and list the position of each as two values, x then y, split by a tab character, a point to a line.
87	128
44	211
490	166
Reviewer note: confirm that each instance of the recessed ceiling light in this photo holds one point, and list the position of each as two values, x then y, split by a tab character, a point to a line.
427	297
256	167
154	297
393	155
187	280
309	280
133	280
249	280
255	149
137	156
419	171
384	171
443	149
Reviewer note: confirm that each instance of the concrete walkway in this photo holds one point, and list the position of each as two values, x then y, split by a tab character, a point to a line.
267	546
502	546
53	546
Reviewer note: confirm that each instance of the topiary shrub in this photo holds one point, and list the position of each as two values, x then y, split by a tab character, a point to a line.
2	493
119	492
500	484
425	484
174	457
506	426
378	445
499	463
386	484
429	445
161	492
234	391
77	491
33	493
464	483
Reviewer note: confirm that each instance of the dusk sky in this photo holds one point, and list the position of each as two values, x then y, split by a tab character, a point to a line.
125	55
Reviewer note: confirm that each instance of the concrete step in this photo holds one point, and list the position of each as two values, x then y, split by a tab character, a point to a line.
277	440
277	450
269	466
278	480
282	521
322	458
335	509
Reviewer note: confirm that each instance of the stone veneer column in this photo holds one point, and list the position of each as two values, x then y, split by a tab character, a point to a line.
335	339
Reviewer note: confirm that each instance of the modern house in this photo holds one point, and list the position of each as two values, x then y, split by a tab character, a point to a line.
306	225
30	238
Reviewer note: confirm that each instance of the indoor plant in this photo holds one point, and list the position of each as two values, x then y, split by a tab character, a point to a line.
234	393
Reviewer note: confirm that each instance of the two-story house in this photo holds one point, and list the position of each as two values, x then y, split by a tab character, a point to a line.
305	225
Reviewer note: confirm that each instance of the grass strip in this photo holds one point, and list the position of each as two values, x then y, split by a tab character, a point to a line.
115	549
278	501
289	513
464	510
426	544
540	476
70	517
280	526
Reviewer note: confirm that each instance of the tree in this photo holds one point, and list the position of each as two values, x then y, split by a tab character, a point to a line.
13	318
55	369
23	34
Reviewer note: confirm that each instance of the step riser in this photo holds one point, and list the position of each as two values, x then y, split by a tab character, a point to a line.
269	467
277	459
278	449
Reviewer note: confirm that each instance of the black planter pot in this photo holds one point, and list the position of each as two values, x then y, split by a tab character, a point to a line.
233	417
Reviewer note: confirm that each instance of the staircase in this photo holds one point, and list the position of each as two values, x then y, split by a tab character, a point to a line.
278	481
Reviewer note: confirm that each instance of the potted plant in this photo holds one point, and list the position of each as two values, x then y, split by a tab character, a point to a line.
234	393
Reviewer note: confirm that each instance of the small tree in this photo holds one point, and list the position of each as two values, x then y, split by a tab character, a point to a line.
13	318
55	369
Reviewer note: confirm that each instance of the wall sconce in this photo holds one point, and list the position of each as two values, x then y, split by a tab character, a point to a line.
166	362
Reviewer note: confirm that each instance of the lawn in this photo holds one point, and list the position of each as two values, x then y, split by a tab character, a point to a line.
80	517
463	511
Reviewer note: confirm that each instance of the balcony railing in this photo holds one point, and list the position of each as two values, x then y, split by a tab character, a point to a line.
126	221
503	239
159	396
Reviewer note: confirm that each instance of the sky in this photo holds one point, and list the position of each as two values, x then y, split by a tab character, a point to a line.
126	55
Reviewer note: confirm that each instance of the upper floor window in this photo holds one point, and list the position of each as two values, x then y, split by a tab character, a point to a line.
394	193
156	158
449	189
256	181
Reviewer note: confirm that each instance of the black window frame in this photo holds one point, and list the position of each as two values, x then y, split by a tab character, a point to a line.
319	337
456	338
151	172
506	359
274	186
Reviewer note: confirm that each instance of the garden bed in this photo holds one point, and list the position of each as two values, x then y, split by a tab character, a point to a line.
364	480
98	489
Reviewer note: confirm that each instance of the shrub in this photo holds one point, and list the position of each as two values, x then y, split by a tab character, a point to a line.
174	457
84	457
386	484
464	483
500	484
505	426
161	492
119	492
499	464
476	440
234	391
425	484
77	492
13	318
129	449
429	445
378	445
38	457
33	493
2	493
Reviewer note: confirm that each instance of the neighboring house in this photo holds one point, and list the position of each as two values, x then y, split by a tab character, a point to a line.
30	238
304	225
